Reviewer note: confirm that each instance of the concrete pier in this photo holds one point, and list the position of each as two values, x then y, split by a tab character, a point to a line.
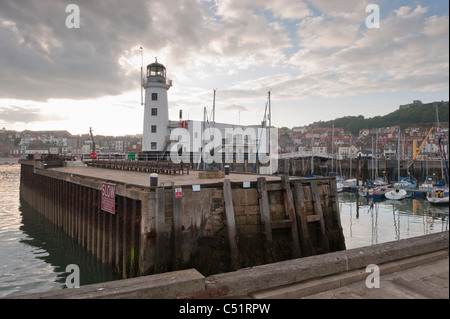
213	225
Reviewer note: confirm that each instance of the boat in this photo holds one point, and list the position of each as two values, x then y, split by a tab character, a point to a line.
339	186
365	191
427	183
406	183
438	195
374	192
339	182
350	185
396	194
380	181
430	183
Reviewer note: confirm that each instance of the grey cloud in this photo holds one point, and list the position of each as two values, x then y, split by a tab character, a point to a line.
14	114
41	58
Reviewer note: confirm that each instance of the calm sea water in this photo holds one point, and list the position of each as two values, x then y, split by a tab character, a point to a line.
34	253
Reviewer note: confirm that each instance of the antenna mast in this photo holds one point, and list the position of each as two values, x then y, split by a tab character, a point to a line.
214	107
142	75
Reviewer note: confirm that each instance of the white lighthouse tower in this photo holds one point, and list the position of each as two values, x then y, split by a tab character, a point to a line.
156	112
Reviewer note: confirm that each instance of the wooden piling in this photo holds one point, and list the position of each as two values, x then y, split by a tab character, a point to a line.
290	214
177	230
160	222
302	223
133	249
231	224
125	251
318	217
117	240
265	218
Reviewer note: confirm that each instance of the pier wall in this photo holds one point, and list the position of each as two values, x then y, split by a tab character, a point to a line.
287	279
223	227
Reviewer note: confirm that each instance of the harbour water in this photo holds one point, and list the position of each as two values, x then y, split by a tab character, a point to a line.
34	253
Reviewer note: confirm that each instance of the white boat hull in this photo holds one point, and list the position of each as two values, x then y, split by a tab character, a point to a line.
438	200
438	196
396	194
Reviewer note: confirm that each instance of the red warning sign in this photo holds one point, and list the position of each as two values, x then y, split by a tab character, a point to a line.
109	198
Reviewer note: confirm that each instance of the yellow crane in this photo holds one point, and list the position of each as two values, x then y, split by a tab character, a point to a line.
416	150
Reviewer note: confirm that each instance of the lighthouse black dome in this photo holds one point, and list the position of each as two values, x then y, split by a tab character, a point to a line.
156	69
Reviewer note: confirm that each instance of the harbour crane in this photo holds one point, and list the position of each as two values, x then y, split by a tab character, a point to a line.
92	138
416	150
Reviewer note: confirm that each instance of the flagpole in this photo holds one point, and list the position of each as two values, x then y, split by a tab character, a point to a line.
142	75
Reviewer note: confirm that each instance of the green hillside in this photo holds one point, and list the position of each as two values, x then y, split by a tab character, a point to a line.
422	115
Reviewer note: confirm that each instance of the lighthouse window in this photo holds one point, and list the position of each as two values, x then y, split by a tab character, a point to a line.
153	128
153	145
154	96
154	111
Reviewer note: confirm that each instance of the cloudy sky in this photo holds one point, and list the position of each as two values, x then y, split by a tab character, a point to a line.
319	58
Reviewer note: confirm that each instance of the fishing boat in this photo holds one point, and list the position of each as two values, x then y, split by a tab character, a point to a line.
396	194
438	195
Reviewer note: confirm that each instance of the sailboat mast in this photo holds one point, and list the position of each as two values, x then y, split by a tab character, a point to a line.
142	75
373	177
398	154
332	148
214	106
270	111
312	152
270	122
439	128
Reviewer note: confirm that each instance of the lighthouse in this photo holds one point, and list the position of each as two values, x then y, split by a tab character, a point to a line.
156	113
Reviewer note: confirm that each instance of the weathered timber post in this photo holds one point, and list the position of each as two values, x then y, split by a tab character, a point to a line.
338	235
160	223
146	248
177	228
265	219
319	212
302	222
231	224
290	213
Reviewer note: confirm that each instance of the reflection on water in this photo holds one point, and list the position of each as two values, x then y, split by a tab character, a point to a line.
367	222
34	253
59	249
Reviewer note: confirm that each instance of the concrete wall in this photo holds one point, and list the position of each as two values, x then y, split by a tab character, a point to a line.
260	281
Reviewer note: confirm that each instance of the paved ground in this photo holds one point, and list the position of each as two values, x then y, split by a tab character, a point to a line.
143	179
429	281
420	277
